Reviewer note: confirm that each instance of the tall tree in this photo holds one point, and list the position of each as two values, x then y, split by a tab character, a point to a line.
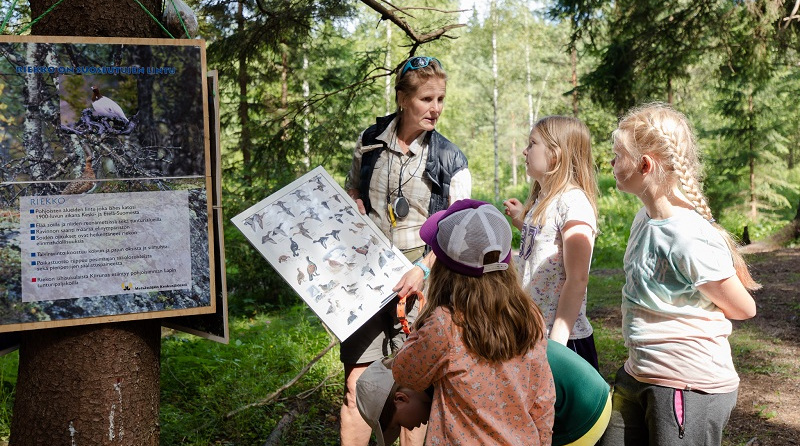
93	384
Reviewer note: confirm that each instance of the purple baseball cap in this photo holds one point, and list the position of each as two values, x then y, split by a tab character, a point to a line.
464	233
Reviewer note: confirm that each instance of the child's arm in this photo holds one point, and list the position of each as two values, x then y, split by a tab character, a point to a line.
578	239
731	297
514	210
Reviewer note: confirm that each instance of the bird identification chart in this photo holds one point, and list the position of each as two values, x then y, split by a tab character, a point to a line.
336	259
105	185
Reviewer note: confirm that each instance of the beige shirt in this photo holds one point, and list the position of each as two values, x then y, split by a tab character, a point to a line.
395	172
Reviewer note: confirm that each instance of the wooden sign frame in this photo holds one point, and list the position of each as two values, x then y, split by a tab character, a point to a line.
106	191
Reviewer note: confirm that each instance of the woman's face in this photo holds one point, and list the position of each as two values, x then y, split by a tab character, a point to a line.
421	110
537	159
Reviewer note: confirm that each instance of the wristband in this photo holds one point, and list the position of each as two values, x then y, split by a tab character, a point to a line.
424	268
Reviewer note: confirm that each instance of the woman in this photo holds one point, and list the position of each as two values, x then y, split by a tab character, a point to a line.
403	171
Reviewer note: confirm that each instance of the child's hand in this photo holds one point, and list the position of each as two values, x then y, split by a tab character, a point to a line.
514	210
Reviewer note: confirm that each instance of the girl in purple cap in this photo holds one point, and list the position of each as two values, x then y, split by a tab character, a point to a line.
558	223
479	340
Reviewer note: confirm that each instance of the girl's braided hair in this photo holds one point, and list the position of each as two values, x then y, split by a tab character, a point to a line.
663	133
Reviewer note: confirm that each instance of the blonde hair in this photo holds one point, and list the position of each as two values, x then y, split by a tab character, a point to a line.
498	320
569	147
408	82
664	134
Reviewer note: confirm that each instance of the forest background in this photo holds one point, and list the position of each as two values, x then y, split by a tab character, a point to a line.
299	80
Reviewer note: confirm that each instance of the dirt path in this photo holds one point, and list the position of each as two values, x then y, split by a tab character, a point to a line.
768	411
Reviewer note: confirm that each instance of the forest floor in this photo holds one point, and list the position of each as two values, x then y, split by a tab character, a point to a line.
768	410
766	352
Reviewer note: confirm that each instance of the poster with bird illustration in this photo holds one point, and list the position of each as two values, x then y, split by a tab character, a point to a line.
337	260
105	181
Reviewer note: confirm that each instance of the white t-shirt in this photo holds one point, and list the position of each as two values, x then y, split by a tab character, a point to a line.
676	337
541	256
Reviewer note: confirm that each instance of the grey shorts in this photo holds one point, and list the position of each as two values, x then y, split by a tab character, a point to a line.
382	335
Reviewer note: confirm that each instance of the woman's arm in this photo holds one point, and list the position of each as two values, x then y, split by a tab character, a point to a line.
578	239
731	297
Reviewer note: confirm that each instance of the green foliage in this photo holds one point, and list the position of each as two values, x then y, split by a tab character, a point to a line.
616	211
8	380
203	381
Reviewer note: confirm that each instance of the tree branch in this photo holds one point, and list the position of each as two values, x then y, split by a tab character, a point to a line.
271	397
417	39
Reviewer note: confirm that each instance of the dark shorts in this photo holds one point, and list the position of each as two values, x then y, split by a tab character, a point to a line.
585	348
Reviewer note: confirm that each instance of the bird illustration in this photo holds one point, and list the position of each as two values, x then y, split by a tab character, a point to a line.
349	211
279	230
367	269
381	261
359	225
294	247
329	286
352	317
338	198
253	220
301	195
374	239
352	286
85	183
378	288
104	106
325	205
351	291
320	185
311	269
335	234
283	258
266	238
303	231
353	230
338	217
362	249
389	253
322	241
312	214
282	205
300	276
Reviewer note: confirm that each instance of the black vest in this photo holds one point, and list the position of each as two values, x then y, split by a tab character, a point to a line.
445	159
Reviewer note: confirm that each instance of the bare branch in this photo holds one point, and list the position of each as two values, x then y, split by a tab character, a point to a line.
271	397
391	15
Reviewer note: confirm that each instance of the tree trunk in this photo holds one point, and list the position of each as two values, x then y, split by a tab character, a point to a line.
495	105
93	384
574	63
244	120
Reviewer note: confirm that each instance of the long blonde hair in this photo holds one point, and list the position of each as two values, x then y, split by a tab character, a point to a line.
498	320
665	135
569	147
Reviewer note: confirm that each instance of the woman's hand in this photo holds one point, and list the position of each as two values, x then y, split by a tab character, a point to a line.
355	195
514	210
412	281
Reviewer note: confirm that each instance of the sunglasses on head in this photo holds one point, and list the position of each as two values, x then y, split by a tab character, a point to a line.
418	62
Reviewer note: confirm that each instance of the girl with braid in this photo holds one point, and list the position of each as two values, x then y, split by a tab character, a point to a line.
684	280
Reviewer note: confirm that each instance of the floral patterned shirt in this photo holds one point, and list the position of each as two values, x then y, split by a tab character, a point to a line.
541	256
476	402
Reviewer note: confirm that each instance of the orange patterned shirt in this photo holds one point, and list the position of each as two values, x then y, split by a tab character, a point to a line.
477	402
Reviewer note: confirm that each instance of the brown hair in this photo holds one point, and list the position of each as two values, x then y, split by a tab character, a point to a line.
665	135
569	146
408	82
498	320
